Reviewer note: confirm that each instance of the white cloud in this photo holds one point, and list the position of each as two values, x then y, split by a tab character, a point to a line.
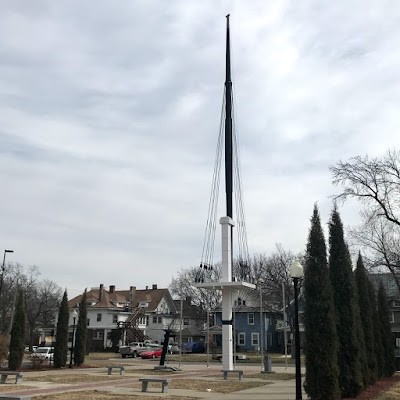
109	115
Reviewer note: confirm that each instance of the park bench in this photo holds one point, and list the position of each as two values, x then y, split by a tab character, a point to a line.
120	367
164	383
235	371
5	374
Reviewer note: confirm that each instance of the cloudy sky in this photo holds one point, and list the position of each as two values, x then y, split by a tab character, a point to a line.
109	117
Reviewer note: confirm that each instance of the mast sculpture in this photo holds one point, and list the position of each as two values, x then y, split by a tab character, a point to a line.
227	285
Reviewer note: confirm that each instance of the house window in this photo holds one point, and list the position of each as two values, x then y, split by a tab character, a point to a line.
239	302
392	317
144	320
115	318
254	339
250	318
98	317
98	335
157	320
185	320
241	339
396	303
109	335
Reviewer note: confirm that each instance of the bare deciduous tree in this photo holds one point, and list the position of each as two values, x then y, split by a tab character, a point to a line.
375	182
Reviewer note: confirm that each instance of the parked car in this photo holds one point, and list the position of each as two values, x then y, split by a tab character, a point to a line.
193	347
156	353
134	349
43	354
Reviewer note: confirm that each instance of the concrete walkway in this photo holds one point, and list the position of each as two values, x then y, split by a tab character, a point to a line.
272	390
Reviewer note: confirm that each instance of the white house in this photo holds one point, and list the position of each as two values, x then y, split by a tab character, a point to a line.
147	312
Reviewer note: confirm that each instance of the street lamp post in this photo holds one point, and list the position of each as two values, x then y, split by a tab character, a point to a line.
2	275
296	272
3	268
261	329
74	315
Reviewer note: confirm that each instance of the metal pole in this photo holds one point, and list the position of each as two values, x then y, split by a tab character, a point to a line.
180	333
208	337
284	325
3	268
261	331
297	339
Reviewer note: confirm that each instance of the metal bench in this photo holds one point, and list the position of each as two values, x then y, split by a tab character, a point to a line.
164	383
234	371
120	367
5	374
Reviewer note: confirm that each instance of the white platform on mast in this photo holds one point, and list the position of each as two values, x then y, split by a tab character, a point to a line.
224	285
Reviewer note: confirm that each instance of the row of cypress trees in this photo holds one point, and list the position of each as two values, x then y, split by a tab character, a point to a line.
17	340
348	340
61	344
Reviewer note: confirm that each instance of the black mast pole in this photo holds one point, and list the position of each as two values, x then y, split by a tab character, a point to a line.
228	126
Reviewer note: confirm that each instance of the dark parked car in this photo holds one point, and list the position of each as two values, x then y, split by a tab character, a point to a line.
193	347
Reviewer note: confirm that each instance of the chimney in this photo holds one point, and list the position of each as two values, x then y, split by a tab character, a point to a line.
112	288
132	293
101	291
154	286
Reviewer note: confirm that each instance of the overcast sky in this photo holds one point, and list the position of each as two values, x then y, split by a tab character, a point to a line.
109	117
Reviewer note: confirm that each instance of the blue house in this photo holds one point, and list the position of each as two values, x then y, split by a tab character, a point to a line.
253	330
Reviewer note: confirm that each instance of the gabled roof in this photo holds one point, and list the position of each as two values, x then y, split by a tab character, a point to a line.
117	299
189	309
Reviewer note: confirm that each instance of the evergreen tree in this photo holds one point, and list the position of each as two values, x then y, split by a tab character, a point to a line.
366	319
344	297
361	340
17	340
61	345
81	332
320	330
389	366
376	330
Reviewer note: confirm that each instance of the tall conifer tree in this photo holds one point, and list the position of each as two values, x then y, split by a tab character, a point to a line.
320	329
389	366
366	319
376	330
344	296
17	340
61	345
81	332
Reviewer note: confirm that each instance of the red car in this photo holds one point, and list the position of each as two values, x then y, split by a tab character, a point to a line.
156	353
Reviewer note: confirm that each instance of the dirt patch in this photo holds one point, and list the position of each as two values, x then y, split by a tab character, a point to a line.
104	395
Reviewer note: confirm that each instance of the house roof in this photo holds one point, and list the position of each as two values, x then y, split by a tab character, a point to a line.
388	281
188	308
117	299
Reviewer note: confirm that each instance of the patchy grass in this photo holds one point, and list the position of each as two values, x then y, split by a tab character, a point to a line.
220	386
392	393
104	395
73	378
143	371
226	386
273	376
12	387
